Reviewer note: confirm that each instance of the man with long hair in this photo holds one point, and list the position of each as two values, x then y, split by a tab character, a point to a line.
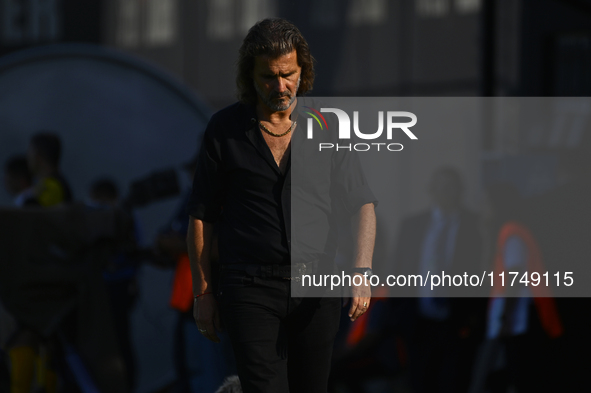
243	182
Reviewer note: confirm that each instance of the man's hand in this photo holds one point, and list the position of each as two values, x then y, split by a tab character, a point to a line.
360	298
207	317
364	233
205	308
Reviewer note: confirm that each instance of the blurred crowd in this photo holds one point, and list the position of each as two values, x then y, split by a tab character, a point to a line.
528	341
512	339
35	359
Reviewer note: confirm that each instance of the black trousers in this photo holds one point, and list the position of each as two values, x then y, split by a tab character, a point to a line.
281	344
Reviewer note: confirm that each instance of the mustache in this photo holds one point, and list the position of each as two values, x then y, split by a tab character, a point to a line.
280	95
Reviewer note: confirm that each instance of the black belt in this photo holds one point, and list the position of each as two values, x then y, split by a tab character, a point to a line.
275	271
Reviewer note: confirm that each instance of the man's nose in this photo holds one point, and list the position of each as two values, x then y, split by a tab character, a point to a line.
280	85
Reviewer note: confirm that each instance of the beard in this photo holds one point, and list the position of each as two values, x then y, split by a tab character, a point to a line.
271	99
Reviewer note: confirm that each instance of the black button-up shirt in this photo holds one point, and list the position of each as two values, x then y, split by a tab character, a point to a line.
238	182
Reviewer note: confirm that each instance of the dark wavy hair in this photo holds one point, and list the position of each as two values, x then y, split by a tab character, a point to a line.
272	37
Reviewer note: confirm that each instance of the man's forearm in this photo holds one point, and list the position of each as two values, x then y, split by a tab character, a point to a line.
199	249
364	231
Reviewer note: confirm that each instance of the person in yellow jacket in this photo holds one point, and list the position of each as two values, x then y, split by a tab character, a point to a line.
43	157
30	354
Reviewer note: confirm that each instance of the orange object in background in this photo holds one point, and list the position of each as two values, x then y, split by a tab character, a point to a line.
182	287
543	299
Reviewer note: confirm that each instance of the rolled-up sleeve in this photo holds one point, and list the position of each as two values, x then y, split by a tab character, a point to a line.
206	198
350	182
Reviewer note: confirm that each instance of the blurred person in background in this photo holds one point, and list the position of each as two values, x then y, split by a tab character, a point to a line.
526	327
18	181
201	365
43	156
33	358
442	334
104	193
119	274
